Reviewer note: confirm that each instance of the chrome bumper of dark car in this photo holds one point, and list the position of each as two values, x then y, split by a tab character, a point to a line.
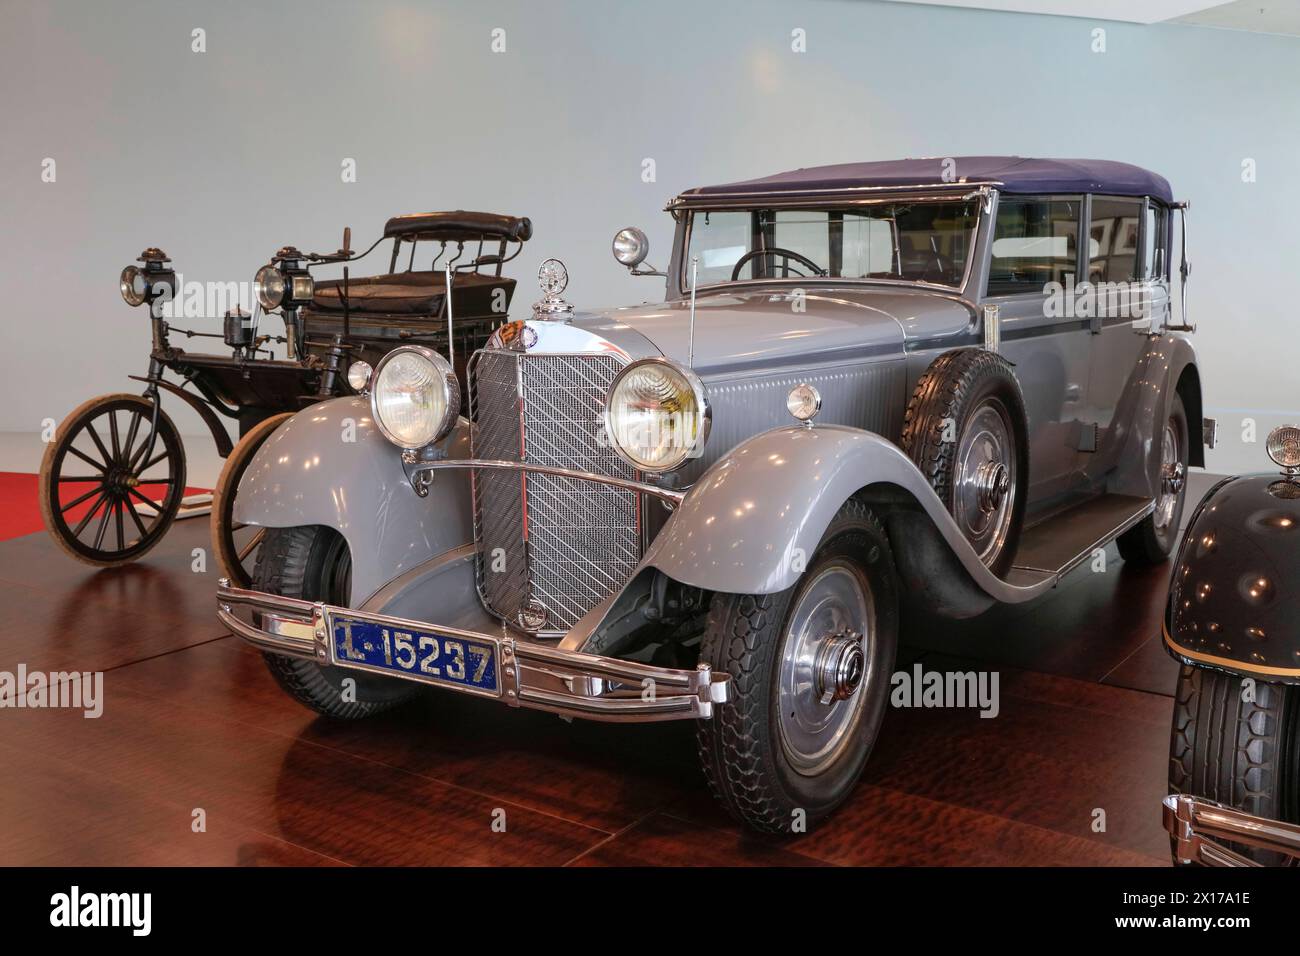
534	675
1198	826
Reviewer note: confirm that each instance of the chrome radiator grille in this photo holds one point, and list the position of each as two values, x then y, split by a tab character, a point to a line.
559	542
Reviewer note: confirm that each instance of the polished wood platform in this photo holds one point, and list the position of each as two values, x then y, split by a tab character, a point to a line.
193	721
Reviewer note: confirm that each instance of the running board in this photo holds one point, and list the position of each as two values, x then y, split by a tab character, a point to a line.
1063	542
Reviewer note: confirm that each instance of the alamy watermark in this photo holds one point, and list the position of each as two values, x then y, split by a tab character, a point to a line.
76	908
75	690
1104	300
946	689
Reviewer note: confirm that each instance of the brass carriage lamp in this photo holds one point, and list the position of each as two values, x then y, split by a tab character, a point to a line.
284	282
155	282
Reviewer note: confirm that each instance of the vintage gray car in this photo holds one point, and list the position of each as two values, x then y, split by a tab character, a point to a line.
868	388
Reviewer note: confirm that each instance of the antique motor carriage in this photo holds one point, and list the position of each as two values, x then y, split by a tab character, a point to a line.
1234	746
869	388
113	480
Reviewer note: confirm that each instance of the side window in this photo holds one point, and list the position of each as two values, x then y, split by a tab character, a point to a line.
1113	240
1154	242
1035	241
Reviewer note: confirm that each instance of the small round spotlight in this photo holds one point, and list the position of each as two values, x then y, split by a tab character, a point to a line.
359	376
804	402
631	247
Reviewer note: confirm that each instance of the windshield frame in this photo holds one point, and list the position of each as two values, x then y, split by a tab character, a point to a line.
686	218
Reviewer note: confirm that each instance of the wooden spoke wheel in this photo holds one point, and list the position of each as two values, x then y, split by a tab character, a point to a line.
111	483
237	544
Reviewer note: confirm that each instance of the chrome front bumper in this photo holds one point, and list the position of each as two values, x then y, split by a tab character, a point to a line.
534	675
1197	826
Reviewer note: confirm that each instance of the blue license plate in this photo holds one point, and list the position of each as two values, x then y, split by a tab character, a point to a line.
469	663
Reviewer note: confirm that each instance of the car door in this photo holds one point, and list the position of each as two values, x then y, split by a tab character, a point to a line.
1129	288
1033	258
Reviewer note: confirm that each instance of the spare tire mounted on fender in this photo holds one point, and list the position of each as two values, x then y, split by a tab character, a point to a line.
966	430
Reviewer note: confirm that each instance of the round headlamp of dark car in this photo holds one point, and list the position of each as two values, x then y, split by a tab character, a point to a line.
1283	446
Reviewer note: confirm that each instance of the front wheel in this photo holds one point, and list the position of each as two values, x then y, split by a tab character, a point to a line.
810	670
313	563
112	480
1238	744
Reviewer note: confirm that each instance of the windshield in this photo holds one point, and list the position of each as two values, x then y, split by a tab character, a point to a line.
903	241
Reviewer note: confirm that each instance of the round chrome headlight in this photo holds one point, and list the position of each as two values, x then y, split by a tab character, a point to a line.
1283	446
631	247
657	415
133	285
268	285
414	396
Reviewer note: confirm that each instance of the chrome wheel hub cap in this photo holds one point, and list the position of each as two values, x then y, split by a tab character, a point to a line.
1173	477
984	480
839	668
825	662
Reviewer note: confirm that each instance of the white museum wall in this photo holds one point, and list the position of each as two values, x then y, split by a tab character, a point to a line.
223	156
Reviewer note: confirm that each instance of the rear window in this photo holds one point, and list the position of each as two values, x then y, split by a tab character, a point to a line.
1113	240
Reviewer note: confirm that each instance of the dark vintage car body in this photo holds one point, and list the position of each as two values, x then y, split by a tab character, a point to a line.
1234	612
328	328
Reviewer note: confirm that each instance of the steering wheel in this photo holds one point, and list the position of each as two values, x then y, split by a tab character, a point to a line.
786	254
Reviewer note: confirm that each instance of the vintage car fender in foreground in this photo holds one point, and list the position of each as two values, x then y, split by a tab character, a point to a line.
719	505
296	477
1231	620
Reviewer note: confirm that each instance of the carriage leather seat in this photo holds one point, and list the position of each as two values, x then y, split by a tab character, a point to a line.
414	293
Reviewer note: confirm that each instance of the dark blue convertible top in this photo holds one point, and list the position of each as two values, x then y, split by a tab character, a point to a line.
1012	174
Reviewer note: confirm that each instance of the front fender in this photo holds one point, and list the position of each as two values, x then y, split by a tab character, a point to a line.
754	519
330	465
1235	595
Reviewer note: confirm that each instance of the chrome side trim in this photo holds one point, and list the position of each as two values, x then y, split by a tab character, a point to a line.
1197	825
533	675
992	327
664	494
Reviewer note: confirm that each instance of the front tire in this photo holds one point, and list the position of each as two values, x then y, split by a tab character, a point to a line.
1154	538
1241	753
810	670
313	563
